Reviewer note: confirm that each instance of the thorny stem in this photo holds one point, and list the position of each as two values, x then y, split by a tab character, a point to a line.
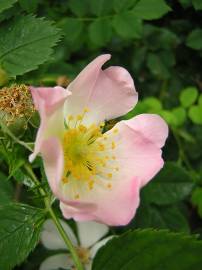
55	219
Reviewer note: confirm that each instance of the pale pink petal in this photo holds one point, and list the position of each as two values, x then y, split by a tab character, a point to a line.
138	158
141	139
151	126
106	93
53	158
90	232
63	261
49	102
112	207
51	238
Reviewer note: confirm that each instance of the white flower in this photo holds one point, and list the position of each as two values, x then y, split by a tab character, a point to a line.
89	234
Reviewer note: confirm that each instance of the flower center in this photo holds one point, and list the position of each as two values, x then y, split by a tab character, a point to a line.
84	254
87	153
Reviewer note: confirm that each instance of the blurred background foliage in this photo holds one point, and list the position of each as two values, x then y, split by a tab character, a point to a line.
160	43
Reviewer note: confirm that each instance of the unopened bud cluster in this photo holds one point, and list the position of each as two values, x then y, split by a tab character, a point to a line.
16	103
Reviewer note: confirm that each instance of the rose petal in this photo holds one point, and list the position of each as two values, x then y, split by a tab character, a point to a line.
57	261
138	157
51	238
53	159
49	102
144	135
107	93
90	232
112	207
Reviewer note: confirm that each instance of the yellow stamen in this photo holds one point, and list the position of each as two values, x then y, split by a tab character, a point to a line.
86	155
113	145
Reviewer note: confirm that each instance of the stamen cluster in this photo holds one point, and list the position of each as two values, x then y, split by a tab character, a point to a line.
88	153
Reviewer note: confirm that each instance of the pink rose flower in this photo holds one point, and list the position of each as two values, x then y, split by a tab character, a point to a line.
95	175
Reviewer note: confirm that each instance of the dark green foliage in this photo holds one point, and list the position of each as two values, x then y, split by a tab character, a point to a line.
20	226
6	190
5	4
149	249
26	43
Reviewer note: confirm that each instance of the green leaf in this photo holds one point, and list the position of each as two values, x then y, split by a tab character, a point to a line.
195	114
160	38
194	39
78	7
200	100
72	28
197	4
171	185
123	5
161	217
149	249
127	25
157	67
6	189
169	117
185	3
197	199
100	31
151	9
29	6
5	4
20	227
100	7
154	104
26	43
175	117
188	96
180	116
3	77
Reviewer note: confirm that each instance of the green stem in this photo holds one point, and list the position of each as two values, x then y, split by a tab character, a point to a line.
55	219
10	134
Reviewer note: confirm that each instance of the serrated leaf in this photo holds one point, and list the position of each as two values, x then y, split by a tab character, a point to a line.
20	227
188	96
6	190
194	39
127	25
151	9
149	249
5	4
195	114
26	43
100	31
171	185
